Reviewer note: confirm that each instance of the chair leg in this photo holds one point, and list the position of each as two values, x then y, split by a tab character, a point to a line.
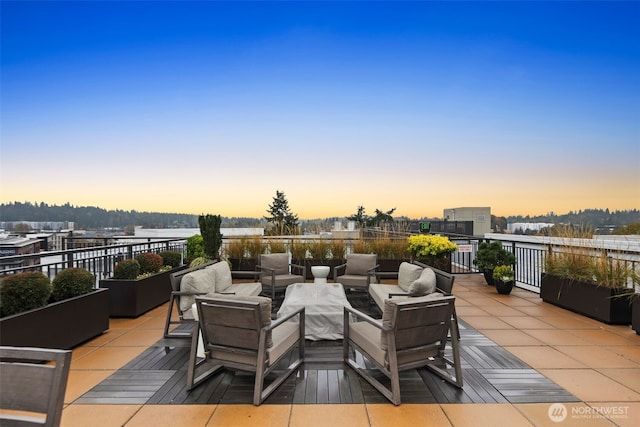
195	378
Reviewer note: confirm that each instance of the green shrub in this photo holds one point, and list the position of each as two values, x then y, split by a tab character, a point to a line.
23	292
172	258
195	247
149	262
491	254
127	269
72	282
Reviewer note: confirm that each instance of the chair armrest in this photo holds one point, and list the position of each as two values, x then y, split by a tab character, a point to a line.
301	268
337	269
360	315
181	293
391	295
281	320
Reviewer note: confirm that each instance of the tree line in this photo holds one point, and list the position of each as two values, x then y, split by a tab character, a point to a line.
280	217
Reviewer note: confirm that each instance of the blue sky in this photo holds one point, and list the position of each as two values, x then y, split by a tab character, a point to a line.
210	107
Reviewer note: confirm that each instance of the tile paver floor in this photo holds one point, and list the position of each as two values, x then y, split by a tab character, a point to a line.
571	354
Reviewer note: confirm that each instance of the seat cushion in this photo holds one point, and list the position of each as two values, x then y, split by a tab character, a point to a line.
223	275
353	281
407	274
282	280
360	264
277	262
367	337
423	285
285	336
203	280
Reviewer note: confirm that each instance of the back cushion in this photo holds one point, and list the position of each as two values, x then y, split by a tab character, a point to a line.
360	264
265	310
278	262
425	284
407	274
203	280
223	275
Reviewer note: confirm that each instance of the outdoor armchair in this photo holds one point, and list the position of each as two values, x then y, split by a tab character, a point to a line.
238	334
359	271
412	334
33	380
276	273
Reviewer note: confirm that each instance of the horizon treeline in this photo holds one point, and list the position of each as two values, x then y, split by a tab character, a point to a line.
90	217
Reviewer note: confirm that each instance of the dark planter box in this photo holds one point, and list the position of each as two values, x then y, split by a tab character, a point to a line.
131	298
64	324
607	305
440	262
635	313
390	265
243	264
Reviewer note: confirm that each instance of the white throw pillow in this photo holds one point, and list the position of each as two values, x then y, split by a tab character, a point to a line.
203	280
223	275
425	284
407	274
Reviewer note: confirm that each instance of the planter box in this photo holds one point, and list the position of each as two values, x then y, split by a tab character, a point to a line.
64	324
388	265
131	298
598	302
243	264
440	262
635	313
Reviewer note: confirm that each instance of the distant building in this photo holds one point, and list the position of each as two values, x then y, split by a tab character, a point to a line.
523	227
17	245
480	217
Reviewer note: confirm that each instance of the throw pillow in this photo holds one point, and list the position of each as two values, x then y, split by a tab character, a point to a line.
203	280
407	274
223	275
425	284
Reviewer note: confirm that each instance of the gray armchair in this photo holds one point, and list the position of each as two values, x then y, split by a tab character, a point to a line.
276	273
238	334
358	272
30	385
412	333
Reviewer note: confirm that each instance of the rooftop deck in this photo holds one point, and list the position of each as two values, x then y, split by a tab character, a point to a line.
519	355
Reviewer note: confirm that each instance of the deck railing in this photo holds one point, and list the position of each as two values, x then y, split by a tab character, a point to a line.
99	260
530	252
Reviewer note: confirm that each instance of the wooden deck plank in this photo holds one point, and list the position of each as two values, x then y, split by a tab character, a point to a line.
491	375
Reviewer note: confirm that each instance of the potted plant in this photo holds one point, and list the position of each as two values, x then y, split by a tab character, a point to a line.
139	284
504	279
432	250
59	314
490	255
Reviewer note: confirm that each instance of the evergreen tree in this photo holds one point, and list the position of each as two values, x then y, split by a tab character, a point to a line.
282	220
